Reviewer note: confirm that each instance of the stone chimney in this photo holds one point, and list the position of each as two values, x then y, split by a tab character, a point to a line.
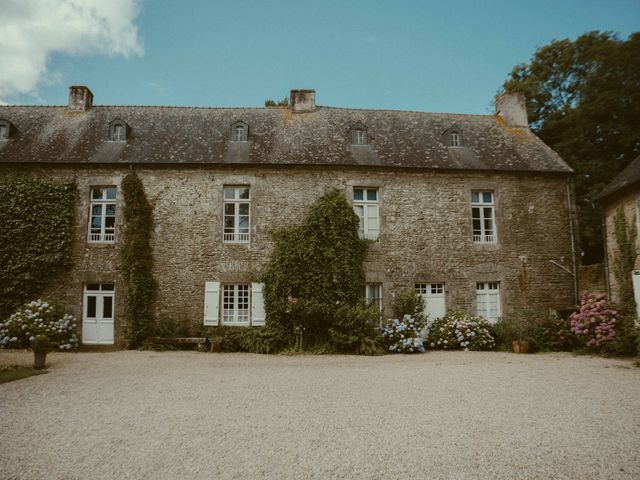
80	98
510	106
303	101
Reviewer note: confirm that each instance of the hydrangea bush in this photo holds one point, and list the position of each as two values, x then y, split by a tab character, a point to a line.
403	336
39	317
460	330
595	322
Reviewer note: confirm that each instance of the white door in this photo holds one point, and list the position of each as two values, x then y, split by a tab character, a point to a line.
97	316
434	304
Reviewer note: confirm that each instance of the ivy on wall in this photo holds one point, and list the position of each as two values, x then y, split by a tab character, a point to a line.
315	265
36	234
624	259
137	261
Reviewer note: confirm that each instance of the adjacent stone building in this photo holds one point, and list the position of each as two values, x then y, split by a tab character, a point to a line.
621	195
473	211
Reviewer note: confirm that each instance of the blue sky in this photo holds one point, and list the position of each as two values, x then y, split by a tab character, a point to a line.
410	55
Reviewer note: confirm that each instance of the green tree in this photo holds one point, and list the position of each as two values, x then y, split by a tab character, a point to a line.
583	100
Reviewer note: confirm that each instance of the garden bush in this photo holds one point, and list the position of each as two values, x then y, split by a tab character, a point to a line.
403	336
355	329
410	303
543	332
40	317
459	330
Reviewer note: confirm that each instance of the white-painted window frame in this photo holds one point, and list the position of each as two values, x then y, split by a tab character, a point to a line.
455	139
102	234
488	302
484	212
4	132
236	304
368	212
240	134
234	234
373	294
360	136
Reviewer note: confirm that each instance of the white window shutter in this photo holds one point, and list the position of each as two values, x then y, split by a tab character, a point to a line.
211	303
257	305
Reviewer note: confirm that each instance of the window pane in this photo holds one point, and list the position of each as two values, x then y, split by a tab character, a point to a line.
96	193
228	224
243	209
244	192
96	210
107	286
358	194
93	286
487	197
475	197
111	209
372	195
111	193
229	193
229	208
96	223
243	224
110	222
91	306
107	307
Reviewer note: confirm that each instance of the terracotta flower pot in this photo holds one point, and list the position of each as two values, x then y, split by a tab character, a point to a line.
39	360
520	346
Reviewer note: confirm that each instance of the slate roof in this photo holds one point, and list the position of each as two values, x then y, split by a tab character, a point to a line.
185	135
626	178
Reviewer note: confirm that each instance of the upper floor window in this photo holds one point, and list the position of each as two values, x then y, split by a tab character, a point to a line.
239	132
237	204
455	139
367	208
488	300
359	134
483	215
118	131
102	226
5	130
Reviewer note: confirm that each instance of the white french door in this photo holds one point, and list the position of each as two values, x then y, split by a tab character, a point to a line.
98	314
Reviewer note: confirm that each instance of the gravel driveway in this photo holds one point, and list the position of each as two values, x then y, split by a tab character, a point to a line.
440	415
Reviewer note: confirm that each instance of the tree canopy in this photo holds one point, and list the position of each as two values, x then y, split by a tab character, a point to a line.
583	100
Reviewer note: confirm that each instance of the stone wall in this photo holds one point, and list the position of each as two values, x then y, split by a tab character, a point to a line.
627	203
426	233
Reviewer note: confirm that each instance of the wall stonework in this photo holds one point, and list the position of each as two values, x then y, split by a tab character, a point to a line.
426	233
628	204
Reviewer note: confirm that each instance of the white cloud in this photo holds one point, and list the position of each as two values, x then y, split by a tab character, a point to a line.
32	30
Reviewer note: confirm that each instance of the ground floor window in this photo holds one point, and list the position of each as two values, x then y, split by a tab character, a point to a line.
238	304
373	294
488	300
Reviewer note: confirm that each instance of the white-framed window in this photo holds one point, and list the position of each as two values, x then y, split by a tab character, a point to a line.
483	216
242	304
237	203
4	131
373	294
488	300
359	136
102	215
118	131
236	306
240	133
455	139
433	296
367	207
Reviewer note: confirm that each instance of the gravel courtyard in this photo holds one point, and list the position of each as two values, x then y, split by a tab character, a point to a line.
440	415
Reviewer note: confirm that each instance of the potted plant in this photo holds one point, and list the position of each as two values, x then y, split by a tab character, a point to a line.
41	345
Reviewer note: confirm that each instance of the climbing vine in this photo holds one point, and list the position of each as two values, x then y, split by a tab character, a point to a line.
625	259
137	261
315	267
36	233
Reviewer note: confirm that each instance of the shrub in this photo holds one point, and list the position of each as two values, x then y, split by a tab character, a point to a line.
403	336
410	303
595	321
355	329
247	339
460	330
40	317
41	344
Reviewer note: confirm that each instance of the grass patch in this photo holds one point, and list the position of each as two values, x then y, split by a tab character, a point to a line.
9	373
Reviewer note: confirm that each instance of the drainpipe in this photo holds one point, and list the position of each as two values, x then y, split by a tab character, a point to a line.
573	244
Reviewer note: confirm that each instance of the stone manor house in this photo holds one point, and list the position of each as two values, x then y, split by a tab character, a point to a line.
473	211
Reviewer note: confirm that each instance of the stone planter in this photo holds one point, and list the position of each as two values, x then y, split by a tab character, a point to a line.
39	360
520	346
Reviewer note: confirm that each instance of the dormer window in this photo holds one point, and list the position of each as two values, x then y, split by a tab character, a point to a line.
118	131
359	135
452	137
5	130
239	132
